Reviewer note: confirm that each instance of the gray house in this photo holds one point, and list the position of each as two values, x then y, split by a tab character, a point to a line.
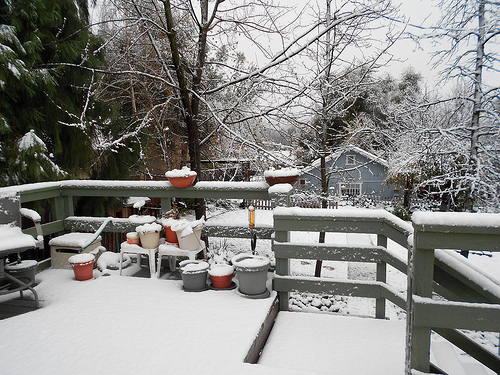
350	172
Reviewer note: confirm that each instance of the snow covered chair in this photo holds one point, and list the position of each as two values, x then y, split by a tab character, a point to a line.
67	245
12	241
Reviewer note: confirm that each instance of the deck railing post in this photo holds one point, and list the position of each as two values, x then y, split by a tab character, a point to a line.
166	205
382	277
420	271
282	264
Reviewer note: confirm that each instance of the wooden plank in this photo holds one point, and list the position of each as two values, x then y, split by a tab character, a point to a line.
327	224
235	231
297	250
123	225
440	314
459	241
47	228
339	287
472	348
163	189
264	332
37	192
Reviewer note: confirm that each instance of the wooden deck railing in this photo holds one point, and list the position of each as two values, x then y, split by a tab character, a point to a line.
476	299
60	196
379	222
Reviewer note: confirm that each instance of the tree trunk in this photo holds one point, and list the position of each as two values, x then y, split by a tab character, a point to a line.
476	110
190	105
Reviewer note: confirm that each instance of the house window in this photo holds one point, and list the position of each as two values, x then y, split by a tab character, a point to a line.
302	182
350	159
350	189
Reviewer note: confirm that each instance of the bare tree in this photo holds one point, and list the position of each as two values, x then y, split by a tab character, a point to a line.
470	30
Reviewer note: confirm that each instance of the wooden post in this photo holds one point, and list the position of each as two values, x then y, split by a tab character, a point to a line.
282	265
381	276
282	268
166	205
421	270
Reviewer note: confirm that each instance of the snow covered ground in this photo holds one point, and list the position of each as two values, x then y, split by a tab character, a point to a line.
128	324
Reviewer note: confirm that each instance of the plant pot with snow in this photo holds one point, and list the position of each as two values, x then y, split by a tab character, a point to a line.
170	235
282	176
194	275
189	233
23	270
221	276
181	178
251	271
83	266
133	238
150	235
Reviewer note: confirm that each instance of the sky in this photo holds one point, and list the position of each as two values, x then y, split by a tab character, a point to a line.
417	12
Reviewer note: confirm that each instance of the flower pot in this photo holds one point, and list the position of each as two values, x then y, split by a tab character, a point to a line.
194	275
133	238
182	178
221	275
281	176
24	271
252	274
189	234
170	235
83	266
150	235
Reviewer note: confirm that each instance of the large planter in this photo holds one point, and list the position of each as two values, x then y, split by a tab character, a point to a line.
170	235
189	234
24	271
182	178
150	235
252	274
282	176
194	275
221	276
83	266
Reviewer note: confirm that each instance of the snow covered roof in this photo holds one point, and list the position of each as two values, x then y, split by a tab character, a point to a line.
335	155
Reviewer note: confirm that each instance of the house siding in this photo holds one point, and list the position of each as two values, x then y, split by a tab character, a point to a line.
366	171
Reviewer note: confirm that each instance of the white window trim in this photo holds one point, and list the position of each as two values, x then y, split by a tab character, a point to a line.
349	187
350	160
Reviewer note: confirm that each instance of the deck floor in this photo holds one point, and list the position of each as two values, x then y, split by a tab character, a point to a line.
129	324
336	344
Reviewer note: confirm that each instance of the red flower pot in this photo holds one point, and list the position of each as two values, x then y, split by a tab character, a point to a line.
221	282
182	178
170	235
182	182
282	180
83	266
221	276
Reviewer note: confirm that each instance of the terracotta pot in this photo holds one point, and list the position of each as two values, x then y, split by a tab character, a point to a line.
282	180
170	235
133	238
221	276
83	266
181	182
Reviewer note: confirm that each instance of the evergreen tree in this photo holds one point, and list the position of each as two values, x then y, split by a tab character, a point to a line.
44	44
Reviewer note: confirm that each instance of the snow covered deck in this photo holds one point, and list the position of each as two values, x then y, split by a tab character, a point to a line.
128	324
